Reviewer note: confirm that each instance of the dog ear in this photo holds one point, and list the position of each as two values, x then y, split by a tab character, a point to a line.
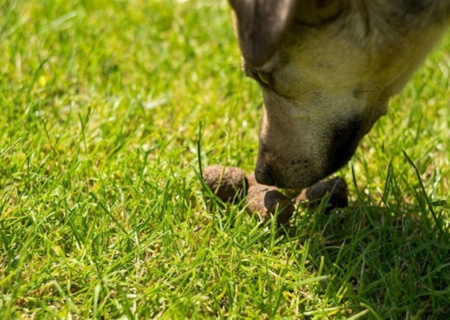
261	25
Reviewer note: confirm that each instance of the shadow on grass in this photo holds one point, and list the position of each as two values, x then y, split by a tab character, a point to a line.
392	261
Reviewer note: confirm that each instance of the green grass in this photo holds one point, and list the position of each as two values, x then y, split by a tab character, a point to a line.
101	210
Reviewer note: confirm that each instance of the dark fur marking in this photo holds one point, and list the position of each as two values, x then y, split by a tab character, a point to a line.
344	143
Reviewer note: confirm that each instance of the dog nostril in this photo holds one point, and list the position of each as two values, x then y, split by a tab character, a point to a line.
264	177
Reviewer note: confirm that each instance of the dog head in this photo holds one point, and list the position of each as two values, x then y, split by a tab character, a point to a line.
327	69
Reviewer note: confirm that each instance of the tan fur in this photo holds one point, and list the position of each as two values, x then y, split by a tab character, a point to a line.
332	77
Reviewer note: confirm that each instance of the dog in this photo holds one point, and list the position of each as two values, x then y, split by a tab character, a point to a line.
327	69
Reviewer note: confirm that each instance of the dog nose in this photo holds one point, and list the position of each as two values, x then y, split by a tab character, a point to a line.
264	176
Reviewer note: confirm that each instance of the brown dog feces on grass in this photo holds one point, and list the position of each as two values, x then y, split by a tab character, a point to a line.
267	201
336	187
227	183
231	183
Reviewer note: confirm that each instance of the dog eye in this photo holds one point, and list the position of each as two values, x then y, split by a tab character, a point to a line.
263	77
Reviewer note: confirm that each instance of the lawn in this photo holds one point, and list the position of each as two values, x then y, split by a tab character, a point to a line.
107	110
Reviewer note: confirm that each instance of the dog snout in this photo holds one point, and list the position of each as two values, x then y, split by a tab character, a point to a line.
264	176
264	173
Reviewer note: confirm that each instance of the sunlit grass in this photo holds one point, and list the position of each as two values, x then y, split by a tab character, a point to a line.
101	210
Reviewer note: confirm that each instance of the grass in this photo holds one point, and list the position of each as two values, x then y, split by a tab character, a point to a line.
103	106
